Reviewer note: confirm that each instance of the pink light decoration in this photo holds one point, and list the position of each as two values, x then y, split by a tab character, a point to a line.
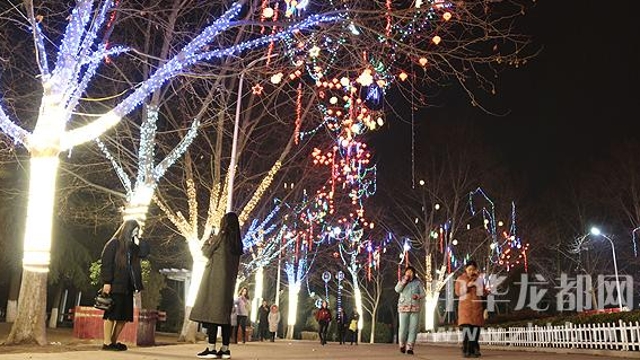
273	31
388	27
296	133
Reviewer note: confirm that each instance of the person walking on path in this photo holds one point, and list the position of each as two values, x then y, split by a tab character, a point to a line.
263	317
121	274
242	306
214	303
470	289
274	321
411	293
353	327
323	316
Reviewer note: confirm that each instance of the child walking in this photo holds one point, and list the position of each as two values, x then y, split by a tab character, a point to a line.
274	320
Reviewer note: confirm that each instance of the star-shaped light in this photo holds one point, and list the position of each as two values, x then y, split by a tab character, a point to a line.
314	51
257	89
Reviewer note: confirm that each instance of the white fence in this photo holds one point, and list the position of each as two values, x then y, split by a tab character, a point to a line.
621	336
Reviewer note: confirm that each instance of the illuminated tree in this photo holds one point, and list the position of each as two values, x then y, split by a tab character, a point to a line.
139	195
81	53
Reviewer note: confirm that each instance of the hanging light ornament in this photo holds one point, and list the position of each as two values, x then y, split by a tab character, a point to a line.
267	13
366	78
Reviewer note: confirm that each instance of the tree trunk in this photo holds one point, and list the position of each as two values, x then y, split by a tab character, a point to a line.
290	329
53	318
257	293
374	318
294	289
189	328
358	295
138	205
188	332
14	290
29	326
431	303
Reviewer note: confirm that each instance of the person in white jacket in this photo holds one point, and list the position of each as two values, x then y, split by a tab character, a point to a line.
274	320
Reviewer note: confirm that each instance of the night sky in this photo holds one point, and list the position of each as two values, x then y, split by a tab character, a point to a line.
564	108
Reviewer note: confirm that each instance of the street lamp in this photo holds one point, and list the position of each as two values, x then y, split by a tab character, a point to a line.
234	145
596	232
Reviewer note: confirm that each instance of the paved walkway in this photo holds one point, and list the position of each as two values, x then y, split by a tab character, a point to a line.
284	350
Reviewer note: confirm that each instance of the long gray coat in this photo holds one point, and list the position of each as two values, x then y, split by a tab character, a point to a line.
215	296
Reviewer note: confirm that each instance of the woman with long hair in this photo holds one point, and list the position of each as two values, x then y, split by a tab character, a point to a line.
411	293
242	305
214	303
121	275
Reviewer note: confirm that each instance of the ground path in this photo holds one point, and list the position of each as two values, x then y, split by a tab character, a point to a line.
280	350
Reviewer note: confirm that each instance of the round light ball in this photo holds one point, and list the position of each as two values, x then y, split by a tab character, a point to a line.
267	13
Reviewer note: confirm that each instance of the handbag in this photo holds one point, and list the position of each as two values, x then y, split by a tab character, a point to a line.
353	326
103	301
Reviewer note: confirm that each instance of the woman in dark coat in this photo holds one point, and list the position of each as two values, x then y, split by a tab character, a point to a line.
215	296
121	275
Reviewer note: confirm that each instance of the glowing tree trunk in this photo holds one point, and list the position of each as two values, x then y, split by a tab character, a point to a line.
138	204
432	292
257	293
296	271
80	55
357	294
29	326
188	331
292	317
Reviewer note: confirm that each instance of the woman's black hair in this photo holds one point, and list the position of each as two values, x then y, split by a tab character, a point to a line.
415	274
471	263
230	231
124	235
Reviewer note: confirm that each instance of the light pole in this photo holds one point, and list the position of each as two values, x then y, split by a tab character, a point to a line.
596	232
234	146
